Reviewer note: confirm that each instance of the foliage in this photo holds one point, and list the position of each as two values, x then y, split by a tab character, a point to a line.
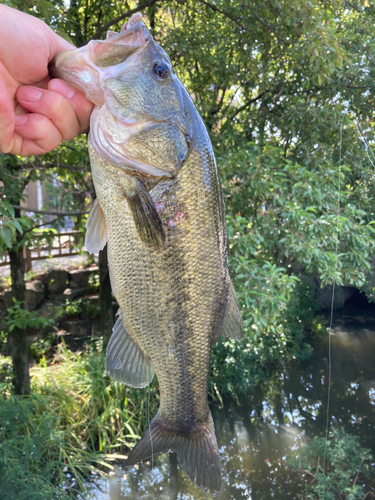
5	372
6	282
41	236
93	282
18	317
81	308
9	224
40	347
30	275
273	335
90	310
299	205
76	421
348	466
73	308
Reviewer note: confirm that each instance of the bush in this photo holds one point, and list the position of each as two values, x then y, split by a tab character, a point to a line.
74	422
348	467
279	312
19	317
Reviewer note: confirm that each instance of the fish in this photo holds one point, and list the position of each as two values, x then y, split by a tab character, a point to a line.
159	208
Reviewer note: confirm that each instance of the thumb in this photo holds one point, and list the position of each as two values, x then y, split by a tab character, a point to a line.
60	44
7	119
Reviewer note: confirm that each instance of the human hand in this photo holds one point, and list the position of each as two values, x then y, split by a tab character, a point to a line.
37	113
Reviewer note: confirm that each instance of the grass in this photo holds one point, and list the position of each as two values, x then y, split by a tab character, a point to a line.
75	422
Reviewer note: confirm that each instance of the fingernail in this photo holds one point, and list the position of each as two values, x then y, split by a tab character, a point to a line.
61	88
30	94
20	120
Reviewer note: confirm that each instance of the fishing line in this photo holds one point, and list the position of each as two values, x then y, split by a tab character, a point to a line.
148	419
330	333
365	141
371	157
152	447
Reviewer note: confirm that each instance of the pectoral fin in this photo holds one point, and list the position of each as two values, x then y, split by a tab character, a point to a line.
232	324
146	218
126	362
96	234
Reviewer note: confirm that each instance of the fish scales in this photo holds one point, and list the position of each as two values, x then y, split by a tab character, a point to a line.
160	209
180	286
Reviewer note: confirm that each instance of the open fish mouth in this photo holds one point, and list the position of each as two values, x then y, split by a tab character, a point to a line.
85	67
118	46
130	28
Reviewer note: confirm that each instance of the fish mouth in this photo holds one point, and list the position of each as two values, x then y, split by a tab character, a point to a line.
118	46
135	28
83	67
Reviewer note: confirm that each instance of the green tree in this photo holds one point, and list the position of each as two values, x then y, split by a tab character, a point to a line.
16	230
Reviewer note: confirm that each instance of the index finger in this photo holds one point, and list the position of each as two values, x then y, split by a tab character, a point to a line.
81	106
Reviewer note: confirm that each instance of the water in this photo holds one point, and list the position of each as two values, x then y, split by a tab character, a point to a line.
274	421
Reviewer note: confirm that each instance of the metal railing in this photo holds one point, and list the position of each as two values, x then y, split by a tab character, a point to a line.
61	245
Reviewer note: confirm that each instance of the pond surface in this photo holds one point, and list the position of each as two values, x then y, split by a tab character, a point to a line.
273	422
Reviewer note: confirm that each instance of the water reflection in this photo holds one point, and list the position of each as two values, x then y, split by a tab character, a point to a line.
272	422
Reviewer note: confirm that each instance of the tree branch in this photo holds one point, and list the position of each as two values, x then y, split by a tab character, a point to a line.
62	165
278	90
32	166
367	494
40	225
269	28
352	6
48	212
220	103
250	101
226	14
120	18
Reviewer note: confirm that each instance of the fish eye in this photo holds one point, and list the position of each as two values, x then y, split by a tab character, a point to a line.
161	70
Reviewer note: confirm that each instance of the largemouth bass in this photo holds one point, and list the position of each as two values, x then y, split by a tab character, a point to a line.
160	208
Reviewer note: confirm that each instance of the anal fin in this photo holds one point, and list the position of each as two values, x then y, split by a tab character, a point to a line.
146	218
126	361
197	451
232	324
96	234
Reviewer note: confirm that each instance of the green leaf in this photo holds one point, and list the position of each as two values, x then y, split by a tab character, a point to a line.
9	208
17	225
6	236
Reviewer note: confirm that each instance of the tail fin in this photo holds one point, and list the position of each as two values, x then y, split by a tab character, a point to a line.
197	452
